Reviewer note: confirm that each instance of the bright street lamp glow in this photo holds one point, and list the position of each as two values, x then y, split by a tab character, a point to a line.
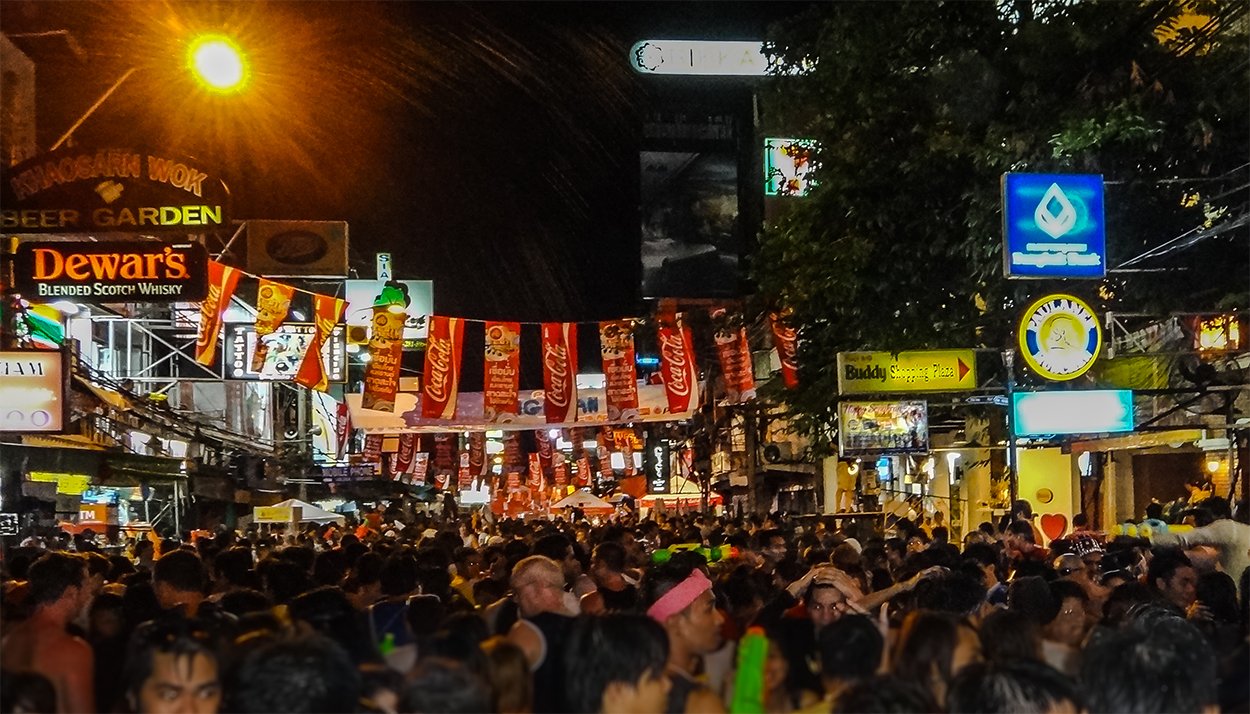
218	63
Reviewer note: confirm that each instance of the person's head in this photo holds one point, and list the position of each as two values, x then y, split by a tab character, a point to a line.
1010	636
1172	575
233	568
538	585
680	598
1022	510
1020	533
328	611
399	575
305	673
931	649
1067	620
58	580
825	602
608	558
444	686
468	563
885	694
1028	686
615	663
772	545
1165	665
106	616
26	692
559	549
171	666
850	650
178	578
510	681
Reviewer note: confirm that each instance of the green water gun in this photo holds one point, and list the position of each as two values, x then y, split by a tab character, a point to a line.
748	695
720	552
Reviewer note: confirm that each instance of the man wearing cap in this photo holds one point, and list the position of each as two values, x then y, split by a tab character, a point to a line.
679	597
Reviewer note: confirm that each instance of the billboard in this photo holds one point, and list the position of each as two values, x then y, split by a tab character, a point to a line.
919	371
287	346
33	386
361	296
305	249
869	428
691	233
699	57
111	271
1072	412
1054	226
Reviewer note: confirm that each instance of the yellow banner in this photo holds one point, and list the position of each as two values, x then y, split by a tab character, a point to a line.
273	514
920	371
66	484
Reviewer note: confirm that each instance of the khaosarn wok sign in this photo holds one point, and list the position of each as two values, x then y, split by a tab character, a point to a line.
111	190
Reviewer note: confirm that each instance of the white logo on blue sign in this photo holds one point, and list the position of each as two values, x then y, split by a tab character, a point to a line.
1053	226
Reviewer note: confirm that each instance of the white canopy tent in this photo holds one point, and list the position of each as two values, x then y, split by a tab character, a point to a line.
285	512
583	500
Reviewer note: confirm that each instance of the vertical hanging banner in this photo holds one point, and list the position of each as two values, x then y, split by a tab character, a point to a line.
535	472
342	430
420	468
502	371
273	302
787	350
605	463
373	448
442	367
561	469
222	280
386	347
477	453
560	371
583	471
327	311
444	452
734	353
677	368
466	471
512	458
544	449
403	458
616	345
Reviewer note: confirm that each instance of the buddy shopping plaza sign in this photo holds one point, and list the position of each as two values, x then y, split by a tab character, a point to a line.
114	190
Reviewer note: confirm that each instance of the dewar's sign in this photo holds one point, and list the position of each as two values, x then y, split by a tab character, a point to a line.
111	271
123	190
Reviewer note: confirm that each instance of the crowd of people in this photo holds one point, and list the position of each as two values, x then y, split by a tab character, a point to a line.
688	613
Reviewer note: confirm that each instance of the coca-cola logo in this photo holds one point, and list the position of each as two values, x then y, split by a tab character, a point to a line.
208	315
438	351
673	348
556	361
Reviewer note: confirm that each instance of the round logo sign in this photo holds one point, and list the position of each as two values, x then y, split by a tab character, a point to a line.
1060	337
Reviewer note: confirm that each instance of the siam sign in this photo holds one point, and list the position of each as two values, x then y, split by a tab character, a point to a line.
111	271
114	190
699	57
32	391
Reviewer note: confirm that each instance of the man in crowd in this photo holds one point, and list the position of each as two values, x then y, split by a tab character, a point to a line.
538	588
1173	578
171	668
679	597
179	581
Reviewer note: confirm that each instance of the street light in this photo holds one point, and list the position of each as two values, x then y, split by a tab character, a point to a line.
218	63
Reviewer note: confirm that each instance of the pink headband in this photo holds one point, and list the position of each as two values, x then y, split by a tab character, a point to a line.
680	597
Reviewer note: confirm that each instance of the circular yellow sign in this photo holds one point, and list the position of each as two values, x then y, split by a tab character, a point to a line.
1060	337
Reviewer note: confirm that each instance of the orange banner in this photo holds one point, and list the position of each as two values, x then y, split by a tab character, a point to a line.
502	370
327	311
386	345
616	345
273	302
787	350
222	280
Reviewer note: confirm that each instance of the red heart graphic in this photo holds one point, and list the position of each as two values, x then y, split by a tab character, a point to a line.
1054	525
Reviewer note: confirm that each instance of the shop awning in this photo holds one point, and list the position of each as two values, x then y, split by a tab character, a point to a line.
108	396
1140	440
61	441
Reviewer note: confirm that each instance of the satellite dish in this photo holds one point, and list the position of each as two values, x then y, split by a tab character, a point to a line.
772	453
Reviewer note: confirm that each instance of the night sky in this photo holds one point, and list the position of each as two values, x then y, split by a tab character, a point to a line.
491	147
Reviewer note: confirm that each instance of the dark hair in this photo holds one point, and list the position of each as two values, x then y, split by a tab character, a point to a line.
982	553
1218	592
399	575
368	568
308	673
553	545
611	554
886	694
182	637
52	574
1166	666
244	600
181	570
1061	590
925	646
1164	564
1027	686
606	649
850	648
1217	506
954	592
327	610
447	687
284	579
1009	636
26	691
1154	510
329	568
659	579
1023	529
1022	507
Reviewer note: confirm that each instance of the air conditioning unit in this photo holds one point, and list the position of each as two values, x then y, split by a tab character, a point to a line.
779	451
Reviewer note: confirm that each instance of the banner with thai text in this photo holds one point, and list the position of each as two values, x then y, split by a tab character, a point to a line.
342	430
222	280
512	457
442	367
560	371
616	346
502	370
327	311
403	457
677	368
386	347
373	448
734	353
787	343
420	468
273	303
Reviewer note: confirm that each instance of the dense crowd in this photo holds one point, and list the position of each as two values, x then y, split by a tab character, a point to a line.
689	613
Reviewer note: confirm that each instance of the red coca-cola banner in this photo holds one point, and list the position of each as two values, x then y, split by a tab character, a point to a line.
535	472
677	369
560	371
442	367
444	452
734	354
583	471
561	470
342	429
514	480
222	280
386	345
273	302
787	350
616	345
327	311
605	463
544	448
465	480
477	453
373	448
403	458
512	458
502	370
440	479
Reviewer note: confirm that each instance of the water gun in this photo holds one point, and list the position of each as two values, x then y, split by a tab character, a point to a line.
748	694
720	552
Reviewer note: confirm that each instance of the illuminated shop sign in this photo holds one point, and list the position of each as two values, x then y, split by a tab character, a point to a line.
1060	337
77	191
32	391
657	464
706	57
111	271
1054	226
362	295
287	347
919	371
870	428
1068	412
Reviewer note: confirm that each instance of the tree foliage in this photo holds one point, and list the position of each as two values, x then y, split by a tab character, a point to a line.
920	107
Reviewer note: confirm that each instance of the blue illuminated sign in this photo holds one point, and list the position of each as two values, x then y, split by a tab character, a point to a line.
1054	226
1076	412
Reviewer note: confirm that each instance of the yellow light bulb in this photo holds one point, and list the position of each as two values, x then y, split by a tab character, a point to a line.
218	63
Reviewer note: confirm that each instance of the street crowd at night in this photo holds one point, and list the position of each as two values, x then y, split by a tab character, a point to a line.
412	612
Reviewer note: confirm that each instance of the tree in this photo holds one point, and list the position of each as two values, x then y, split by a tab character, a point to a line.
920	107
